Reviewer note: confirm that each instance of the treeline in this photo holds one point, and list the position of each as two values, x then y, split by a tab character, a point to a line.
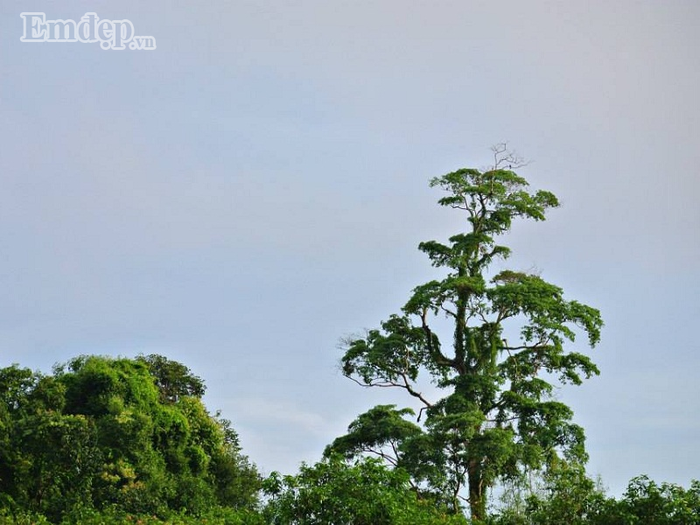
128	440
114	440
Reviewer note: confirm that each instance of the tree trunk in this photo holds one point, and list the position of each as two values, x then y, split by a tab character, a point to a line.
477	499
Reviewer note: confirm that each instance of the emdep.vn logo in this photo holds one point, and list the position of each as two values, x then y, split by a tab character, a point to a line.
111	34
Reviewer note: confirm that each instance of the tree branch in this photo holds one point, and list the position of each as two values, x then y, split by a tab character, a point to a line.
410	390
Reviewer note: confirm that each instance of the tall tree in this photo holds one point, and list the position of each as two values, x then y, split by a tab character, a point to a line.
496	415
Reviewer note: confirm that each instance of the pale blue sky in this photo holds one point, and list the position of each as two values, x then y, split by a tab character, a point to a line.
255	188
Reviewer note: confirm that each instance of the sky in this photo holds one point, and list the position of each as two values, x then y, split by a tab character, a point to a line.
252	190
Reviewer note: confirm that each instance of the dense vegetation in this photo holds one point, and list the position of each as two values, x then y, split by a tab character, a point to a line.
116	435
109	441
114	440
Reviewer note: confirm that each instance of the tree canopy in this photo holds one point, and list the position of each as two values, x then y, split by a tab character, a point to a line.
362	493
496	413
113	432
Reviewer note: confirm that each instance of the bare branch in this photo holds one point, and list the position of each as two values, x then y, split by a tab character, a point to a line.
382	384
503	158
392	460
448	311
391	384
415	394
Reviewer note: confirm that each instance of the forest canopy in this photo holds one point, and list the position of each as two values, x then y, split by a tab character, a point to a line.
131	434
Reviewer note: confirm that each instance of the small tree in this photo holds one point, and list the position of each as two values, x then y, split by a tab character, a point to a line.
566	495
647	502
362	493
497	414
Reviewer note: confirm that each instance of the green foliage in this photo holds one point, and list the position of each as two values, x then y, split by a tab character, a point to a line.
648	503
360	493
382	426
105	433
566	495
497	414
114	516
174	380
